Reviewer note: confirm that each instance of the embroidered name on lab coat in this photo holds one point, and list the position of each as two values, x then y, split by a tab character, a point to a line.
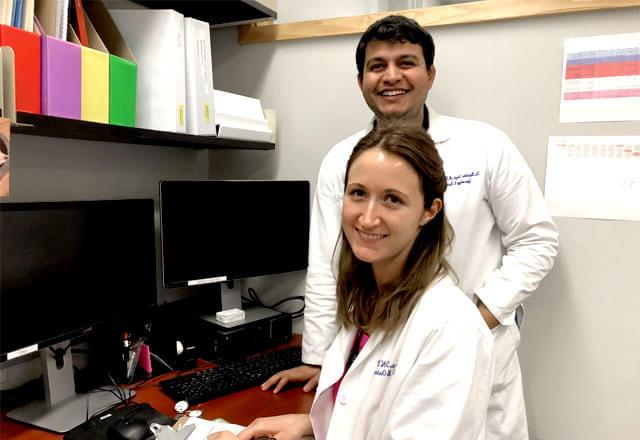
385	368
462	179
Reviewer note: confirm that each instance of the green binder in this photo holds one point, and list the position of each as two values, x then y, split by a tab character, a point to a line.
122	91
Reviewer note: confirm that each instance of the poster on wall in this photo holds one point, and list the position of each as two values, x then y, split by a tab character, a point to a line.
5	126
594	177
601	79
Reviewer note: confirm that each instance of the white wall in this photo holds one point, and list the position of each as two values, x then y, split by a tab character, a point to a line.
580	352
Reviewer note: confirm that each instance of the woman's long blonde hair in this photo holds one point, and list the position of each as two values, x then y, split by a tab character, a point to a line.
361	302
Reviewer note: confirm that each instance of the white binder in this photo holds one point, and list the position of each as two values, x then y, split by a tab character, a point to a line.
156	37
199	78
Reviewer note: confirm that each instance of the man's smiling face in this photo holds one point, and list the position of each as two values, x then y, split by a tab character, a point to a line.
396	81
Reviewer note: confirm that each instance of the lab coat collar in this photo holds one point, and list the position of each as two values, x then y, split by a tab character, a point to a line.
334	365
437	126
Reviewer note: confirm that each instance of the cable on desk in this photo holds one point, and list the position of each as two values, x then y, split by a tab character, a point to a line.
159	359
149	381
86	413
117	391
254	300
127	402
144	382
134	407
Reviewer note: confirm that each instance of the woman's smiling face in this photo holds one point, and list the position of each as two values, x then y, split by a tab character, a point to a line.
383	211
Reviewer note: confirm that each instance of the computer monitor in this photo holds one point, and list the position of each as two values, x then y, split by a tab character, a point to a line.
217	231
64	268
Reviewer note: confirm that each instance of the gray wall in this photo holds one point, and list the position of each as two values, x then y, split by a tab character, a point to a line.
580	353
52	169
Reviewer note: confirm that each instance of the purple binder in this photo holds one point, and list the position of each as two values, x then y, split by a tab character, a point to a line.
60	78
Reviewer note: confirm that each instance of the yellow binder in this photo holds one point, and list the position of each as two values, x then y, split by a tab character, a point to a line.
95	85
94	77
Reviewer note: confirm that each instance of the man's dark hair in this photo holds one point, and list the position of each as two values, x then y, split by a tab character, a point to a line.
395	29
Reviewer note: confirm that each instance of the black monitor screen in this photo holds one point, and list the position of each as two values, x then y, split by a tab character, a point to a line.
217	230
65	266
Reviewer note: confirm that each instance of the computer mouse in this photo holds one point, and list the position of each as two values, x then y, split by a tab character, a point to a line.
128	429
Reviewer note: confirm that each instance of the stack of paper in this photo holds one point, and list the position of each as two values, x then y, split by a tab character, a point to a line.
241	117
205	427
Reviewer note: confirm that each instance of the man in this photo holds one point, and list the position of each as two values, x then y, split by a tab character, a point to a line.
505	238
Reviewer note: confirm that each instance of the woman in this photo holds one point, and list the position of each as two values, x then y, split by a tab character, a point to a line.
413	357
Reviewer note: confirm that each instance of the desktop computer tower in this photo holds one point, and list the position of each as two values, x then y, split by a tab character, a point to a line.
261	329
174	332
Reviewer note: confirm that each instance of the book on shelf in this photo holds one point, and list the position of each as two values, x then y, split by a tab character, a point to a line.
27	15
6	11
77	20
156	37
199	78
16	14
8	89
53	16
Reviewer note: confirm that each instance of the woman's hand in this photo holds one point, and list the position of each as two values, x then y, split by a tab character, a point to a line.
225	435
309	373
286	427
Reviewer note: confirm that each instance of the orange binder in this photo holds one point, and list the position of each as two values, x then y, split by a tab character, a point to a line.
26	47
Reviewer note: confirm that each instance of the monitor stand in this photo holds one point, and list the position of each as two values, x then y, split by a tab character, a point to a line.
230	295
63	409
230	298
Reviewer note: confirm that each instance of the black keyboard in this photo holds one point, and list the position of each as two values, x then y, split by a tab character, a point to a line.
230	377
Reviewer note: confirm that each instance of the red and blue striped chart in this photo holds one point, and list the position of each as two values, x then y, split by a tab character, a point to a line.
601	79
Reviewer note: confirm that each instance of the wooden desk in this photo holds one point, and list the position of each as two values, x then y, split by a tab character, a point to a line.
240	408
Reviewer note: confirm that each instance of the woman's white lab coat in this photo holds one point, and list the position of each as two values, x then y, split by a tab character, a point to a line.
430	380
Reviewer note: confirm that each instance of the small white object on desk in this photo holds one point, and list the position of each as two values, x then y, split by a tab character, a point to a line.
181	406
230	315
202	428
